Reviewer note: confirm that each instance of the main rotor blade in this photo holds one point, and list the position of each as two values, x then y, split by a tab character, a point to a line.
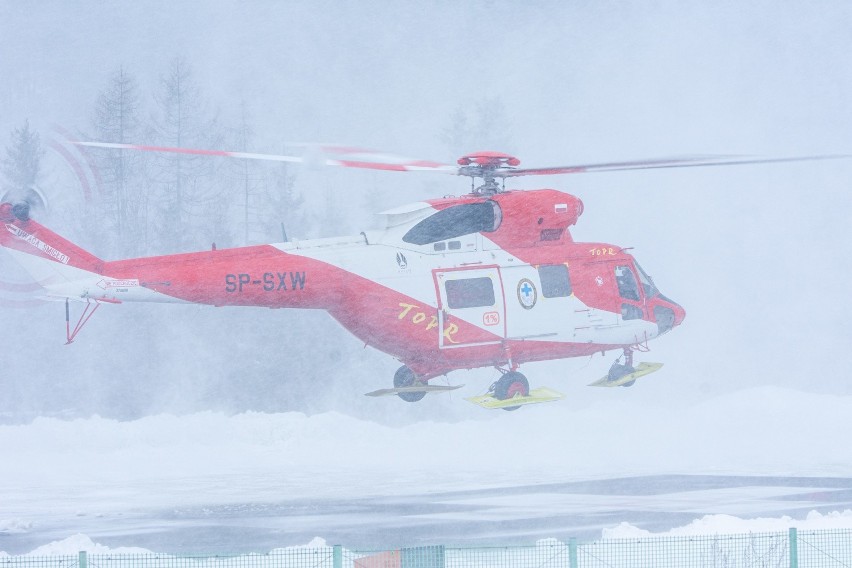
328	155
352	157
193	151
682	162
371	159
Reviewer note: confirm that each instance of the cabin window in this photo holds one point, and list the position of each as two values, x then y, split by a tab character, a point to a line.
555	282
455	222
454	245
470	293
440	246
628	288
630	312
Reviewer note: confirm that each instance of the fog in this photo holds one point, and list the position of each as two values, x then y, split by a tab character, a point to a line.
757	255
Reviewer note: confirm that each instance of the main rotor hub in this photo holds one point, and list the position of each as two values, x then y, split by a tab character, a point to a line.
489	166
492	159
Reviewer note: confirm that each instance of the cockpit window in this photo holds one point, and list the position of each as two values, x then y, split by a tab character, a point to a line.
647	283
455	222
628	288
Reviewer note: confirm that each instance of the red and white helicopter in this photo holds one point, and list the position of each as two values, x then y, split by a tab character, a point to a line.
488	279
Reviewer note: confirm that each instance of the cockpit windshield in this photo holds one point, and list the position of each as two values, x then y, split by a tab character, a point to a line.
455	222
647	283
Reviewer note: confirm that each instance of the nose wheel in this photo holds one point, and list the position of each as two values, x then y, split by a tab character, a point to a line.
619	370
624	374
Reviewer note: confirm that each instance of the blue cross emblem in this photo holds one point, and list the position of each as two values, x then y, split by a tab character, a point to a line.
527	294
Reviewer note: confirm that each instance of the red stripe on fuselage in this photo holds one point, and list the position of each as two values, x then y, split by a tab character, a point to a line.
265	276
251	276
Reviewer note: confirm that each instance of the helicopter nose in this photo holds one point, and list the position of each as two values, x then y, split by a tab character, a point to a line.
668	314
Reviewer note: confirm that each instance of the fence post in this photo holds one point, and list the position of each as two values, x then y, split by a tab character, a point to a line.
572	552
82	560
337	556
794	548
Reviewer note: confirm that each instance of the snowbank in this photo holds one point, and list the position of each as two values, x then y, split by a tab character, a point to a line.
80	542
97	466
727	524
761	431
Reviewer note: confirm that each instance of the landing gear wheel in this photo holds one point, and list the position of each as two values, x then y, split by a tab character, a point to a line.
618	370
509	385
405	377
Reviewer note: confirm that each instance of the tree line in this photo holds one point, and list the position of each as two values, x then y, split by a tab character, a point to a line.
157	203
160	203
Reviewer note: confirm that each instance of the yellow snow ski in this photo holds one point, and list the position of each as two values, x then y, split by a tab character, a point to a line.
642	369
419	388
541	394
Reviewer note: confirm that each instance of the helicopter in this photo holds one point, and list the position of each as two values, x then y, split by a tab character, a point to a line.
492	278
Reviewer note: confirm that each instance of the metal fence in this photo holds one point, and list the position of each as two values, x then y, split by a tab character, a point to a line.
793	549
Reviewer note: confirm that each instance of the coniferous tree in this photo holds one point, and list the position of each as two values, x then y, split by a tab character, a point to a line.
245	182
121	202
264	193
484	126
456	135
186	184
21	166
285	209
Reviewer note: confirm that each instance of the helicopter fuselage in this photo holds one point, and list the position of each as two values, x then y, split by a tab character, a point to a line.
463	282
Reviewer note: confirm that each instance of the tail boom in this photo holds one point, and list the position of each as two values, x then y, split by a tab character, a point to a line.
49	258
27	236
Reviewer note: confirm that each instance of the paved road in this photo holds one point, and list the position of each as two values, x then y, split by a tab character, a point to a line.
512	515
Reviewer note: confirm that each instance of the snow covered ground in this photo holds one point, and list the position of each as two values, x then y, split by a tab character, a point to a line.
211	482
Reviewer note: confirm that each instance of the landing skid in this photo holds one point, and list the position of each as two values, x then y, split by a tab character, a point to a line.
426	389
542	394
642	369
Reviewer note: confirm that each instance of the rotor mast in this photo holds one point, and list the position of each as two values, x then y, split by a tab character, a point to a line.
490	166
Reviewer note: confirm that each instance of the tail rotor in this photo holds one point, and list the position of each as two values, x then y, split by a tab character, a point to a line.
25	200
